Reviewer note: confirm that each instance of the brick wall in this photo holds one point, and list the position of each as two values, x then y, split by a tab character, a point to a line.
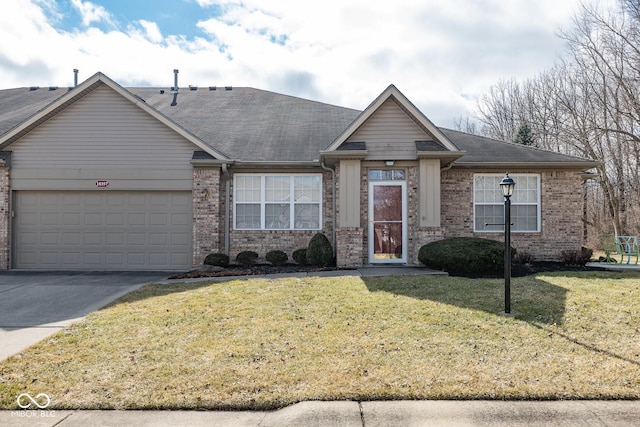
5	215
263	241
351	251
561	212
208	213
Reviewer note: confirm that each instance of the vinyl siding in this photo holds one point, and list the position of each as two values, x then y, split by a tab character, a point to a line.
102	137
390	134
429	193
350	182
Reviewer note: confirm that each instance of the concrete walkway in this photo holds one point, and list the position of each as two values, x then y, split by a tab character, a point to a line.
356	414
35	305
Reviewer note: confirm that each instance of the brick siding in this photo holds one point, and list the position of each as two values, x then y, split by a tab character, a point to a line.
561	212
263	241
560	217
208	213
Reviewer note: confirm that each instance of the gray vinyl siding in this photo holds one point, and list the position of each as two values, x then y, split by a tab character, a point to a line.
350	182
102	137
390	134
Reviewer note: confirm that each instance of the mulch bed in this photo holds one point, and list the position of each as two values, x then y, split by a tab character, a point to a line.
517	270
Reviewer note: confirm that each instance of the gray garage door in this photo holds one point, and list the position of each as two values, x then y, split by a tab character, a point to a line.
102	230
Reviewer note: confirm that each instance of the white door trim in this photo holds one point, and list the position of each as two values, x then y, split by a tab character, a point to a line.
403	258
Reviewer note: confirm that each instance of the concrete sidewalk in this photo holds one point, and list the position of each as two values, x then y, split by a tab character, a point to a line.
356	414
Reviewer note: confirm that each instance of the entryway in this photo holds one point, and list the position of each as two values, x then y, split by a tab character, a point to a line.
387	221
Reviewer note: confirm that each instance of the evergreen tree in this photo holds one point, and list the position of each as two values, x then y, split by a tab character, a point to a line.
524	135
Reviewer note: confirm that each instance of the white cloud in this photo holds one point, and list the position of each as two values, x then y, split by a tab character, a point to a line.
152	31
441	54
91	13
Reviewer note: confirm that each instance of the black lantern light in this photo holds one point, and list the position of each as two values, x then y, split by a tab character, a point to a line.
507	185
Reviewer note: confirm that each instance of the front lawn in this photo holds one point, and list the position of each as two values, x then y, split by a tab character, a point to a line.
261	344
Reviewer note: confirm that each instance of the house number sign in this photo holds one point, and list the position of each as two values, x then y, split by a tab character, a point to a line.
102	183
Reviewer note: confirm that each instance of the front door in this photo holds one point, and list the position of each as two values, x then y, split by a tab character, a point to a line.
387	222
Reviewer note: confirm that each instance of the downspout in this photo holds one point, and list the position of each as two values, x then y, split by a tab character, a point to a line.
227	201
335	202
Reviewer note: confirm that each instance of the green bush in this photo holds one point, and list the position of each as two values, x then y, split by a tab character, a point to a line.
319	251
217	259
464	255
246	258
276	257
300	256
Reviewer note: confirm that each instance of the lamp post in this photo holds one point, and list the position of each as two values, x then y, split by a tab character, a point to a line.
507	185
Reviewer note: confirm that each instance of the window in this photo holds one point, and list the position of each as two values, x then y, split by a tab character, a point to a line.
489	203
277	202
386	175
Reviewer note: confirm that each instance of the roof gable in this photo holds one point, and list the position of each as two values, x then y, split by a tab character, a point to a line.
381	102
77	93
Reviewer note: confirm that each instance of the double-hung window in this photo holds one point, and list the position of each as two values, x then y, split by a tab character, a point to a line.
488	203
277	202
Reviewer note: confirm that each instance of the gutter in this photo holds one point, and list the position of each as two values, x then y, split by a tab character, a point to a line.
335	202
521	165
268	165
227	207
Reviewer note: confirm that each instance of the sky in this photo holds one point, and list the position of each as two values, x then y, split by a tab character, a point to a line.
442	54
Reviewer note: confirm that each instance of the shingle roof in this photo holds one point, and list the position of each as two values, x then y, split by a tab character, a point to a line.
17	105
254	125
490	152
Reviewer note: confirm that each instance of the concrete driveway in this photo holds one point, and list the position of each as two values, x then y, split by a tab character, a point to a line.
36	305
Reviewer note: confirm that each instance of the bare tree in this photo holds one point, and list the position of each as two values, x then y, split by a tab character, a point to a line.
587	105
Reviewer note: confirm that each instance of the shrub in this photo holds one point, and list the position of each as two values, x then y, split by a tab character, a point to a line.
577	258
276	257
464	255
246	258
300	256
523	258
319	251
217	259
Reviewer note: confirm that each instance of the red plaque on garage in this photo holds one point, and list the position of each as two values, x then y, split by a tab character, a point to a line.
102	183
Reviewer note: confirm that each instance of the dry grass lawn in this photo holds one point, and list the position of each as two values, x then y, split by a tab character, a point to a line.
259	343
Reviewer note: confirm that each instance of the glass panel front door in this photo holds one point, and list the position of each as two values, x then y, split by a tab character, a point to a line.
387	225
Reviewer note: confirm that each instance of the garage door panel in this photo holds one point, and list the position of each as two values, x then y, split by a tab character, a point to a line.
71	218
72	259
92	239
47	218
136	239
115	219
107	230
136	219
158	239
92	259
49	238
